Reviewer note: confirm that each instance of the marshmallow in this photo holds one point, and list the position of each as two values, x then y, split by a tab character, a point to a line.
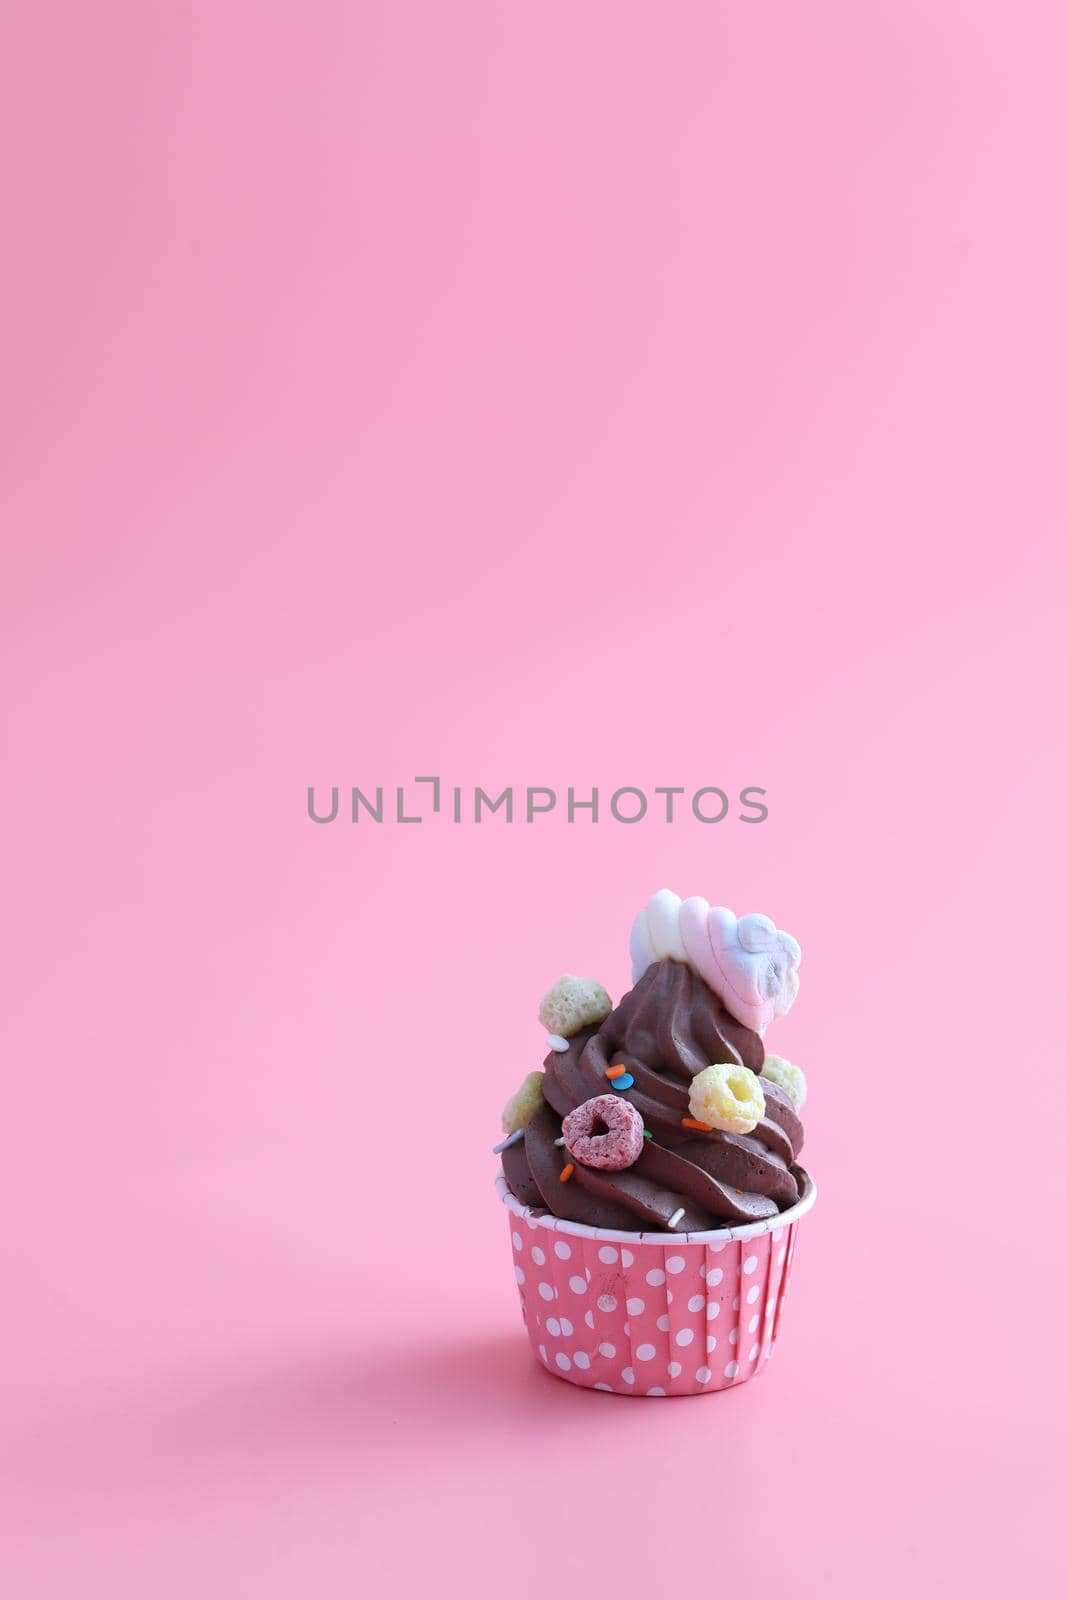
656	934
572	1004
748	962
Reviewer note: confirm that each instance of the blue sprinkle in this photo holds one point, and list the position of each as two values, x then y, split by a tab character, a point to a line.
625	1081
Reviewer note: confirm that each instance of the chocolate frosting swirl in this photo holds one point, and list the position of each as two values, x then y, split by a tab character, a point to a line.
666	1030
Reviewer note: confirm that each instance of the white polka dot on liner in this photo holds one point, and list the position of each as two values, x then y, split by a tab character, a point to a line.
753	1354
713	1310
751	1263
674	1369
538	1255
627	1374
607	1302
696	1302
626	1329
607	1351
709	1343
715	1275
776	1235
781	1255
553	1327
733	1335
703	1374
663	1323
655	1391
684	1336
675	1263
753	1323
516	1239
567	1326
753	1294
645	1352
655	1276
608	1255
563	1361
578	1285
581	1360
546	1291
627	1258
589	1320
562	1249
730	1369
520	1276
542	1352
605	1386
635	1306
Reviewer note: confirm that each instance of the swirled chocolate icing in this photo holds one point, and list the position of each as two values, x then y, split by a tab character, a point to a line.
666	1030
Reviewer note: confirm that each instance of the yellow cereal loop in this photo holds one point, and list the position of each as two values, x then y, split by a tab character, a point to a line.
787	1077
524	1103
727	1097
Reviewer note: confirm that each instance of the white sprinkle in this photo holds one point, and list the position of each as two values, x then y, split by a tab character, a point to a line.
512	1138
557	1042
678	1215
559	1141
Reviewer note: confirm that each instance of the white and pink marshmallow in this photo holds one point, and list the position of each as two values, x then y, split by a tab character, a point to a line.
749	963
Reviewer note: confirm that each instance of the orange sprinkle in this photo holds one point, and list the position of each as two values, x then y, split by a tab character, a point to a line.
615	1072
565	1174
701	1127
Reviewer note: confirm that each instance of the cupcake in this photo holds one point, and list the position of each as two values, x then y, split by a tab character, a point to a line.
650	1170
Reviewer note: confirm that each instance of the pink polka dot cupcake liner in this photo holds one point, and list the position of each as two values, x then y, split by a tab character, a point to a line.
652	1314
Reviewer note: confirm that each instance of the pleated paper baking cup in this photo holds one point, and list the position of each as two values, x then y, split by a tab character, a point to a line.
652	1313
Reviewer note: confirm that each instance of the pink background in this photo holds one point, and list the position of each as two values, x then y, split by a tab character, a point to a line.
535	394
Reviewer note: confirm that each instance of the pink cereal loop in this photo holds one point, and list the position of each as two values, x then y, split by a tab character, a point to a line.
606	1132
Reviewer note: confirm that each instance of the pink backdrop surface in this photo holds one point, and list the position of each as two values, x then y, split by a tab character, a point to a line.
567	394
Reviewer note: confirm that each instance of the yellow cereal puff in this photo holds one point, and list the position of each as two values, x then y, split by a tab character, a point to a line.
572	1004
524	1103
787	1077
